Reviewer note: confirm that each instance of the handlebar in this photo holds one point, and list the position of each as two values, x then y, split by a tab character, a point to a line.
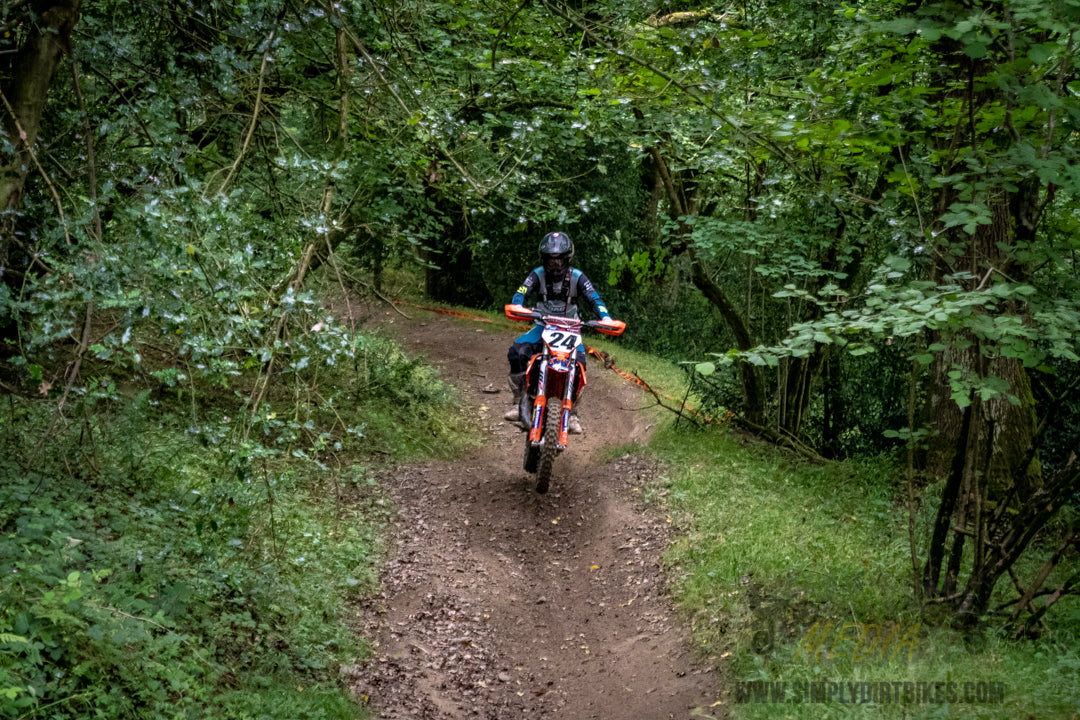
607	326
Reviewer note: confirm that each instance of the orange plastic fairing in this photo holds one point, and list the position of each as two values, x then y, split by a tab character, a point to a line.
610	326
518	312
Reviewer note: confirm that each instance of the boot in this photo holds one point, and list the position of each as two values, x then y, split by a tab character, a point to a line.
573	426
517	387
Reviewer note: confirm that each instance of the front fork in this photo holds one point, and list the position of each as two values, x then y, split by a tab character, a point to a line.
540	405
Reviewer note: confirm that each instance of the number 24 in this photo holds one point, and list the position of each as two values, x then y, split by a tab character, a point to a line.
566	341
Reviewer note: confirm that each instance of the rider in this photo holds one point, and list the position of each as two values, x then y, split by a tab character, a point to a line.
559	286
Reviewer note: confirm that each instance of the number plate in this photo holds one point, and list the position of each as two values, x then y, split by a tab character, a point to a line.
561	339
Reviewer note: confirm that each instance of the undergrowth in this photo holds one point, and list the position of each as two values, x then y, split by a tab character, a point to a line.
796	573
161	558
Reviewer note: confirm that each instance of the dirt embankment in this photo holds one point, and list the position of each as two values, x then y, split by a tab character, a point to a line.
501	603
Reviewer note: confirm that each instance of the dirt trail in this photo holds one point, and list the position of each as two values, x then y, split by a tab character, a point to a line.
501	603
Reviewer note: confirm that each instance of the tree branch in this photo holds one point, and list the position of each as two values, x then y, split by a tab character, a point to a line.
28	144
91	168
705	105
254	115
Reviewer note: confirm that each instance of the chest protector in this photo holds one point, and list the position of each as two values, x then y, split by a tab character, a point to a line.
561	298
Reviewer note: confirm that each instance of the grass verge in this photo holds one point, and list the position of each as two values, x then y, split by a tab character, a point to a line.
800	574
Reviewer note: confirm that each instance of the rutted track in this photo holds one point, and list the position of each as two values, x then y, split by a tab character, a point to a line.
501	603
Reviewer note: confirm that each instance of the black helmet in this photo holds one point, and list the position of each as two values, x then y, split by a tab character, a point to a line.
556	252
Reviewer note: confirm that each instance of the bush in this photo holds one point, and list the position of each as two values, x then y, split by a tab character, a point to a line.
154	563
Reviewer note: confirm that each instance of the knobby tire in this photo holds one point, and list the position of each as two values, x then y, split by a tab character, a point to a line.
547	452
532	455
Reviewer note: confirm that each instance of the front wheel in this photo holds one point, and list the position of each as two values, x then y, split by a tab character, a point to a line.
547	452
532	454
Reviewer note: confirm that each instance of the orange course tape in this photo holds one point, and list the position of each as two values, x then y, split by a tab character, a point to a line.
466	316
443	311
603	357
606	360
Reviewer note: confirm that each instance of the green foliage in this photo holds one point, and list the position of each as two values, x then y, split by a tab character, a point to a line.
591	206
196	493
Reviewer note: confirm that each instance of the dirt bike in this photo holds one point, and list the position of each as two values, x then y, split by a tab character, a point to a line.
553	376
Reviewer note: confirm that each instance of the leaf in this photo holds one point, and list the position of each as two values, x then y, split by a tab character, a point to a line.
1039	54
705	368
898	264
900	26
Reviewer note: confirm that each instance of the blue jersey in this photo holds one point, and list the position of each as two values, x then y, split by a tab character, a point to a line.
559	296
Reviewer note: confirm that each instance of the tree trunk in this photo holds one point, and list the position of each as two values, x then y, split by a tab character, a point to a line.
24	102
795	390
835	407
1009	429
753	382
936	553
653	184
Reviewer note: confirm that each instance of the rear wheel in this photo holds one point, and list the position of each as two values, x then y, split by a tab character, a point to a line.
547	452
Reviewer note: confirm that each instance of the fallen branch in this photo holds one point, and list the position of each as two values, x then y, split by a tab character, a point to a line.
78	355
377	294
279	327
684	18
13	390
784	440
659	401
1044	573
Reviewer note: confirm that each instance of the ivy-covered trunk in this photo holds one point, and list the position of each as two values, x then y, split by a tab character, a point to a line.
1005	426
24	101
982	407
